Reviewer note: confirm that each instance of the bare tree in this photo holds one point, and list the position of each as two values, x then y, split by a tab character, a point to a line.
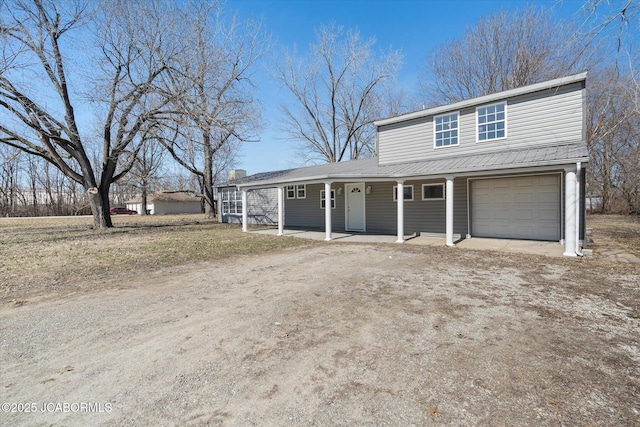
33	169
519	47
336	91
613	104
217	109
131	58
613	135
507	49
9	170
616	20
146	168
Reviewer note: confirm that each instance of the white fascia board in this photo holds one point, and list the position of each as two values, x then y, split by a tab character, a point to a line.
394	176
288	181
487	172
314	180
562	81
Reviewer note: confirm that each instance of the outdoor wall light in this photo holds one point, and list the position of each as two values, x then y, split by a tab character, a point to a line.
368	190
339	191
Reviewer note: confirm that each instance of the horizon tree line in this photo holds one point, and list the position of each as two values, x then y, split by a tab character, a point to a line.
154	81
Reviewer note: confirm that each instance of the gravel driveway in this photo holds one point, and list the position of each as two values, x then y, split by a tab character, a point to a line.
334	334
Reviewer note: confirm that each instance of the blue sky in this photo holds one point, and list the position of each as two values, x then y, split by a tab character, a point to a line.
414	27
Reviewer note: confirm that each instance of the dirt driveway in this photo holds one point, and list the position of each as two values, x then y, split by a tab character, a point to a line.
334	334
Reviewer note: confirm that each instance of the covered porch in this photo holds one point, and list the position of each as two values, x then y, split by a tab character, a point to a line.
435	196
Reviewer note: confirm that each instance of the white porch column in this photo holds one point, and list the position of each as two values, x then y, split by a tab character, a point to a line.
449	211
400	201
570	220
244	211
280	211
327	210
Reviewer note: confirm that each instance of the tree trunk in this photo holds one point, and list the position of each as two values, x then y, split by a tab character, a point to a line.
100	209
143	199
207	178
34	194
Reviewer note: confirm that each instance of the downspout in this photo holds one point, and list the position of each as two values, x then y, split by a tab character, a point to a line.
578	202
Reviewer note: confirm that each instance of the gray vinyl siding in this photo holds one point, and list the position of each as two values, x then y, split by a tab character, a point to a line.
420	216
424	215
546	117
262	208
381	210
308	213
460	207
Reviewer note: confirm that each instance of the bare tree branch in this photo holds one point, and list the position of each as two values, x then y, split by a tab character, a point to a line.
335	90
136	42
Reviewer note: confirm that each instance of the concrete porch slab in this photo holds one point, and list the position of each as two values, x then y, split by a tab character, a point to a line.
532	247
336	236
476	243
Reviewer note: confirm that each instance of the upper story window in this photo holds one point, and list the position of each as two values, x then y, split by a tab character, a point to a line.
446	130
407	191
491	120
291	191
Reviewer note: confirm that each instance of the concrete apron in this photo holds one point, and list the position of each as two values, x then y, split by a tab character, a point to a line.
532	247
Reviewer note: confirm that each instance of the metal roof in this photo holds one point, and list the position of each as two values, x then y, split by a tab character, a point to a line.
369	169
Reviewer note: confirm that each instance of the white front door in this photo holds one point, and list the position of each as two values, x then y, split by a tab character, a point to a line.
355	207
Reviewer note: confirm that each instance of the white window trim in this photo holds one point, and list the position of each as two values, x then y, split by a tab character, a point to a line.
395	193
433	185
293	188
478	124
235	201
457	113
302	187
333	199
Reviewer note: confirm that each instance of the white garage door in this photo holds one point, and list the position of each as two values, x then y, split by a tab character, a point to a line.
519	208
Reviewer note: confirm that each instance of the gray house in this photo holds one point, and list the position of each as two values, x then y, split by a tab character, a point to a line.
505	165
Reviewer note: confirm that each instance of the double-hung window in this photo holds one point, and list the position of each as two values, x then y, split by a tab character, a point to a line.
301	191
231	201
291	191
492	121
323	199
445	130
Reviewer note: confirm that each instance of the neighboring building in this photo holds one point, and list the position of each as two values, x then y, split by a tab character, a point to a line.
504	165
168	202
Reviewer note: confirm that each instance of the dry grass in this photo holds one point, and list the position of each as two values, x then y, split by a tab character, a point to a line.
58	254
62	255
622	229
